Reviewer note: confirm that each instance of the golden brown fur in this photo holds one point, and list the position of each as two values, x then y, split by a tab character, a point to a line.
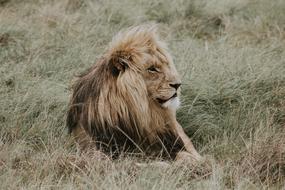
127	101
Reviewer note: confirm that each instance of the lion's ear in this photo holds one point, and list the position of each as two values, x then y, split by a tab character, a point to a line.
118	65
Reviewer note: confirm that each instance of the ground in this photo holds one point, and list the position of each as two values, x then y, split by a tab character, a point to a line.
230	53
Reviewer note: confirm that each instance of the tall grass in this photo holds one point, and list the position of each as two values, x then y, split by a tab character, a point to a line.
231	57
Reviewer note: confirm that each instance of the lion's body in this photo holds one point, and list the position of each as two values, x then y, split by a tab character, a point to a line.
117	105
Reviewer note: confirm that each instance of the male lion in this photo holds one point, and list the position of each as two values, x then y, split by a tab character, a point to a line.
127	101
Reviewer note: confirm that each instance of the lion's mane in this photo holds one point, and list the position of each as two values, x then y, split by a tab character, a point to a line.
110	101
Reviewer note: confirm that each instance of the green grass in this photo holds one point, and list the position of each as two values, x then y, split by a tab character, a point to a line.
231	55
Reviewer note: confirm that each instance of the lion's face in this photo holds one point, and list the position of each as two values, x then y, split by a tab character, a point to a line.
162	80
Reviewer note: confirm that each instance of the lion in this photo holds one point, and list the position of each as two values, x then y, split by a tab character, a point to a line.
127	101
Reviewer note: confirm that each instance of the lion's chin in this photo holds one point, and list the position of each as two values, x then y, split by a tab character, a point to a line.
173	103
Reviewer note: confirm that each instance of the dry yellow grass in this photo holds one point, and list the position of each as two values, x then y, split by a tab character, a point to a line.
231	56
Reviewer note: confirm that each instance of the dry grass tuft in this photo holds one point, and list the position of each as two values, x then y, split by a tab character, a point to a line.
265	159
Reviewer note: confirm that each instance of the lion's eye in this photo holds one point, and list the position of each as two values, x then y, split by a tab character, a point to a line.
152	69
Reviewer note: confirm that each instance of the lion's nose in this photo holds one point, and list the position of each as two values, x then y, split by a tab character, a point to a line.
175	85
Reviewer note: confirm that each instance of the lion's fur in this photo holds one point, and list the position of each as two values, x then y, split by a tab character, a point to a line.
110	101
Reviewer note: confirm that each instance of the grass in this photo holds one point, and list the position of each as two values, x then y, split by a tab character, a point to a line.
231	56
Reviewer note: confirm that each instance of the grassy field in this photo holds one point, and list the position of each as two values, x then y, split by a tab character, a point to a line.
231	54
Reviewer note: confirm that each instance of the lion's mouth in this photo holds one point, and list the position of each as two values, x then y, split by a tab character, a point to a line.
162	101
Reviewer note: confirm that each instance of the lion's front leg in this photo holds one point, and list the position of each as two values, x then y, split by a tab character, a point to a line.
191	151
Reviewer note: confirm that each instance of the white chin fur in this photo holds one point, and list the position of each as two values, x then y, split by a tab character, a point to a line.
173	103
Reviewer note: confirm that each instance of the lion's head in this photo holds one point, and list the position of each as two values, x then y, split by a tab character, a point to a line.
140	53
131	94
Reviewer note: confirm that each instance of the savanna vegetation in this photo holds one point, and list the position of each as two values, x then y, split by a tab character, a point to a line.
230	53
